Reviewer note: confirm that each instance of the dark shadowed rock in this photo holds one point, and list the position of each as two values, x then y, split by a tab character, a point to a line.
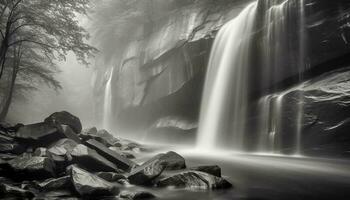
194	180
65	118
110	176
91	160
55	184
87	184
210	169
121	162
31	168
173	161
136	195
13	191
147	172
40	134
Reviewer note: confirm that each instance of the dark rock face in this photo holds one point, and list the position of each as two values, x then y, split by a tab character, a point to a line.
14	192
212	170
90	185
194	180
173	161
40	134
31	168
65	118
147	172
91	160
326	114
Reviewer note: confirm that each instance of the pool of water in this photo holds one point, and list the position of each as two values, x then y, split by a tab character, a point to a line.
269	177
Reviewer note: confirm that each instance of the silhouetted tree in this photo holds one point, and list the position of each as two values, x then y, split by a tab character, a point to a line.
35	33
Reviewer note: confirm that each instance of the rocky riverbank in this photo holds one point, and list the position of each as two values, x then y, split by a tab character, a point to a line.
57	159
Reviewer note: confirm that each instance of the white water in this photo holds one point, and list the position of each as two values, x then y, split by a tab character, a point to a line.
107	105
226	82
224	105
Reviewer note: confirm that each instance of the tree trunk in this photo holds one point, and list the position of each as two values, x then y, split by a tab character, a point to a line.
8	100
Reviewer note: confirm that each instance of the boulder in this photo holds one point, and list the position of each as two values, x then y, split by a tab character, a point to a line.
110	176
147	172
31	168
54	184
69	133
89	185
173	161
210	169
7	190
65	118
38	135
194	180
139	195
121	162
101	136
91	160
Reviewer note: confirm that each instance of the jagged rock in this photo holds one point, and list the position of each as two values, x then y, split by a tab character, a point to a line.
101	136
110	176
89	185
173	161
91	131
136	195
121	162
13	191
65	118
40	134
147	172
55	184
31	168
91	160
69	133
194	180
41	152
210	169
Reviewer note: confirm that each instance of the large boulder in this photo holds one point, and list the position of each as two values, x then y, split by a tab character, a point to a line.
91	160
65	118
120	161
194	180
40	134
173	161
30	168
90	185
147	172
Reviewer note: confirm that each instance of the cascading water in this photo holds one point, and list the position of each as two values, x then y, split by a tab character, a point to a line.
226	82
225	99
107	114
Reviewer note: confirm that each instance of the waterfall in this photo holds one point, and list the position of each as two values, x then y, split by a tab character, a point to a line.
226	83
107	104
224	108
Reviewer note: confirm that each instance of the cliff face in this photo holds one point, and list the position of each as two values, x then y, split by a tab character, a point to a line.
160	73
